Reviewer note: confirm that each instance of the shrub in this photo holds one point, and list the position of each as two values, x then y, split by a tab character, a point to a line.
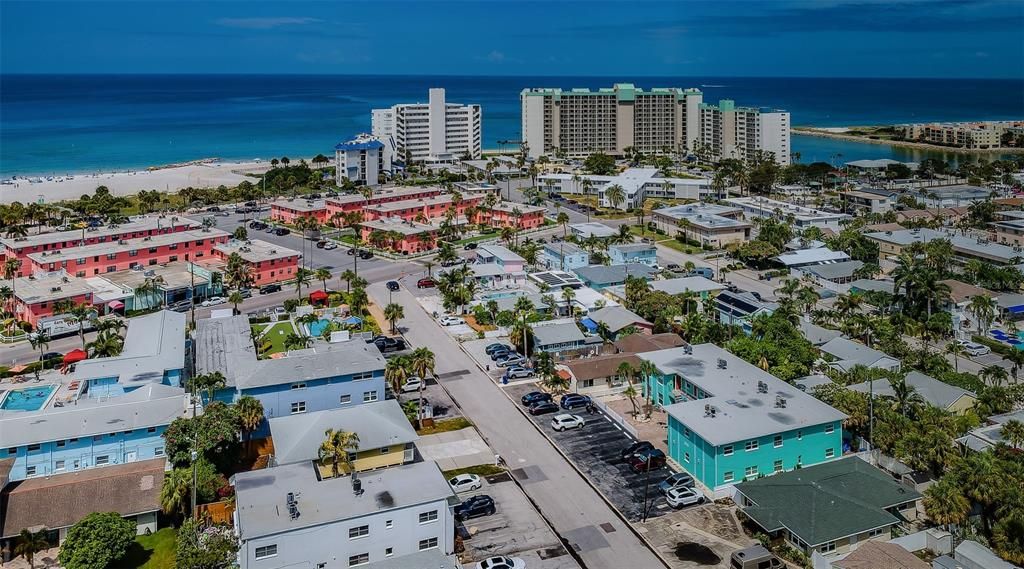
97	541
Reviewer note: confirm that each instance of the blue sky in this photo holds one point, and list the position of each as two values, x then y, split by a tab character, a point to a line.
820	38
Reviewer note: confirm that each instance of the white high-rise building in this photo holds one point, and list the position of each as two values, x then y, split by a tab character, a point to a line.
579	122
728	131
435	131
362	160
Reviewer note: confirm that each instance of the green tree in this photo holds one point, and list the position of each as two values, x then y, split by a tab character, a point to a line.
97	541
210	382
250	414
235	298
615	196
198	547
29	543
302	278
323	275
599	163
631	393
336	448
394	312
945	503
40	341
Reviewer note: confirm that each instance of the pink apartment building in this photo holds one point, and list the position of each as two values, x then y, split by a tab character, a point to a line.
269	263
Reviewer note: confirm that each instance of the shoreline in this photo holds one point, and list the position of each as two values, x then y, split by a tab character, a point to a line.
839	133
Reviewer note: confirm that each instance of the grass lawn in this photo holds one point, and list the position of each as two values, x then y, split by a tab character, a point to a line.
480	470
154	551
276	333
681	247
446	425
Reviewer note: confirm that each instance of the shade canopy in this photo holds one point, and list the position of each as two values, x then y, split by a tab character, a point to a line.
74	356
318	296
116	305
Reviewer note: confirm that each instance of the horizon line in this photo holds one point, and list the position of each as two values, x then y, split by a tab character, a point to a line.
642	76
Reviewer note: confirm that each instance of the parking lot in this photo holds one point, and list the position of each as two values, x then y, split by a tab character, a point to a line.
476	350
595	449
515	529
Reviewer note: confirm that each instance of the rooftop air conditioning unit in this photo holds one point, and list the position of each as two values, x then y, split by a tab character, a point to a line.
780	402
722	364
762	387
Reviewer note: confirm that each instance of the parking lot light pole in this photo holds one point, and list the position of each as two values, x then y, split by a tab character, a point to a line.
647	482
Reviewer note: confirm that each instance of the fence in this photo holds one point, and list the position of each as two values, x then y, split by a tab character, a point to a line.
619	419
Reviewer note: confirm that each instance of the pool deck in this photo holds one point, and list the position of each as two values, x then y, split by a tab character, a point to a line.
67	389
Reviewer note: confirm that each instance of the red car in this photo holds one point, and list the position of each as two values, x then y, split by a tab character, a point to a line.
638	464
425	283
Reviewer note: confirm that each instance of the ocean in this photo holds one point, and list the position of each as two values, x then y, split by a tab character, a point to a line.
58	124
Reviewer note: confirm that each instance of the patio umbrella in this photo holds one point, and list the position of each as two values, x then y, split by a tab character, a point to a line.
318	296
75	356
18	369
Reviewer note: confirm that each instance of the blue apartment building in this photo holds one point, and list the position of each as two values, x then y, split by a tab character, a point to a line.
730	421
328	376
642	253
564	256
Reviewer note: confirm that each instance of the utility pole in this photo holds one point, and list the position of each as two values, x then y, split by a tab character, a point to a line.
647	483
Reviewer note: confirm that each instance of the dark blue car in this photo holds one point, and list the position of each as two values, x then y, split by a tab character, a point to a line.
535	396
574	401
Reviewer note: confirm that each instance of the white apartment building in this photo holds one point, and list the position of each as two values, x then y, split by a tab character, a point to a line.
579	122
361	160
435	131
637	184
287	517
728	131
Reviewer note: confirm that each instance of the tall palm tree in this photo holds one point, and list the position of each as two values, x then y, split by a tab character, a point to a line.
302	277
80	314
235	298
421	363
211	382
396	372
108	343
945	503
40	341
632	394
648	370
176	491
250	415
615	195
982	307
1013	433
29	543
338	447
568	295
394	312
323	275
563	220
348	275
906	398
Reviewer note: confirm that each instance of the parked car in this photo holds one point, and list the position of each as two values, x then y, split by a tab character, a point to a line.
412	384
267	289
677	480
501	562
426	282
52	356
258	225
566	421
270	229
352	251
518	372
320	244
214	301
973	348
491	348
511	360
653	459
674	267
475	507
282	231
465	482
638	446
392	286
574	401
542	407
502	353
386	344
245	292
450	321
365	254
535	397
180	306
469	246
330	245
679	497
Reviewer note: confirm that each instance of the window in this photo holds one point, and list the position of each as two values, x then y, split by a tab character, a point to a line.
428	543
751	445
346	399
369	396
727	477
59	465
830	452
158	451
61	444
876	532
828	547
686	432
266	551
389	552
151	430
829	429
362	376
727	450
300	385
361	559
686	456
12	450
33	448
385	450
101	460
358	531
750	471
389	524
778	466
298	407
427	517
778	441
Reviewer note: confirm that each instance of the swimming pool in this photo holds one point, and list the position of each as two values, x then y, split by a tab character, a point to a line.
28	399
318	327
503	294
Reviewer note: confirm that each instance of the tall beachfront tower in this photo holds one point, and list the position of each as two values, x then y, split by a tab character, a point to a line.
435	131
578	122
728	131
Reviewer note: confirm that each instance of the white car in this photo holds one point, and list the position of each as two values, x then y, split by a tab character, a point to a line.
214	301
412	384
566	421
973	348
330	245
501	562
465	482
450	321
679	497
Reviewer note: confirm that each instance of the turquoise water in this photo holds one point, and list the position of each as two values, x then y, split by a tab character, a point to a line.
497	295
318	327
29	399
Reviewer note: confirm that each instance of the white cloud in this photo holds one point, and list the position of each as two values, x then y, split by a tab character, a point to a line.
496	57
265	23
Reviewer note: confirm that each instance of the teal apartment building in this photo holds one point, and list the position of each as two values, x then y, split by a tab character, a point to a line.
730	421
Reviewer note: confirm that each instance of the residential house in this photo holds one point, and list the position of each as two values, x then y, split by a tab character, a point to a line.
939	394
835	277
741	308
616	319
643	253
599	277
965	247
796	215
497	266
563	340
831	508
638	343
288	516
267	262
955	195
816	335
592	229
860	286
158	285
843	354
599	375
729	420
990	434
807	257
421	210
564	256
859	201
701	287
385	436
502	256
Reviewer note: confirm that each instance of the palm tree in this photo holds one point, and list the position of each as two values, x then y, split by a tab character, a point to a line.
30	543
236	298
108	343
348	275
906	398
421	363
983	309
1012	432
556	384
211	382
323	275
956	350
563	220
614	195
647	372
632	394
40	341
338	447
80	314
994	374
396	372
250	415
302	277
358	301
945	503
393	313
175	493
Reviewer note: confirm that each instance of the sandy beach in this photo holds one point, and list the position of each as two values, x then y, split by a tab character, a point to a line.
840	133
172	178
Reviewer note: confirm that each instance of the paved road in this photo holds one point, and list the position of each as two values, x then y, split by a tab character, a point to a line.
572	507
